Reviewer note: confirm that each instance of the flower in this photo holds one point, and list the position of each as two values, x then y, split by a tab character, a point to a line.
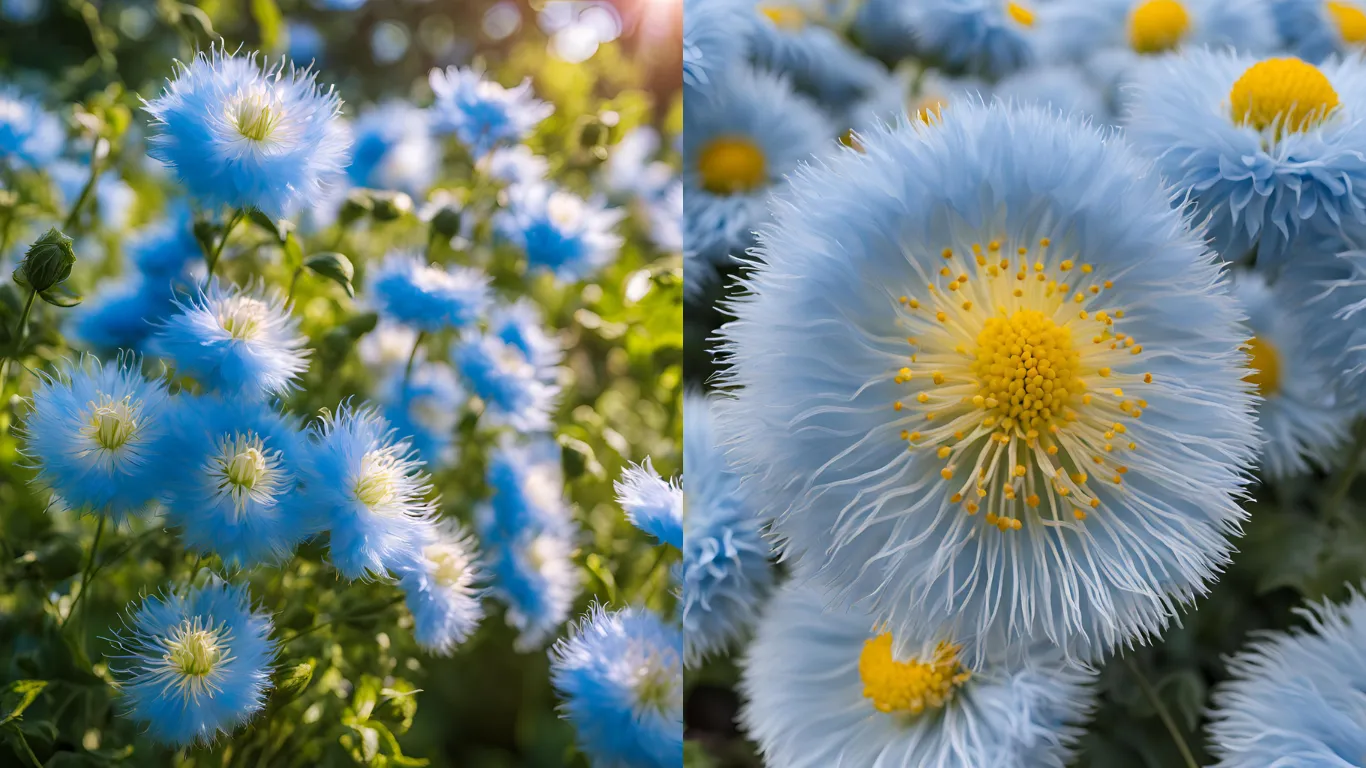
990	38
94	434
715	36
372	491
166	250
559	231
739	142
652	504
1059	88
520	324
783	39
429	297
1139	28
629	169
388	346
1328	283
240	341
1267	149
394	149
194	663
500	374
666	219
425	409
1315	30
621	677
726	574
534	575
441	590
828	688
515	165
1295	697
241	137
913	462
122	315
231	480
482	113
112	197
30	136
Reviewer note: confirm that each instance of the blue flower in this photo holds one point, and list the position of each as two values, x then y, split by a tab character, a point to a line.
924	98
827	688
481	113
1060	88
234	340
715	37
442	592
372	491
1315	30
112	197
306	43
910	461
652	504
429	297
1328	281
666	219
95	436
521	325
240	137
394	149
1266	149
30	136
783	39
527	486
559	231
122	315
726	573
425	409
534	575
500	374
166	250
739	143
231	480
630	169
515	165
194	663
990	38
1295	697
621	676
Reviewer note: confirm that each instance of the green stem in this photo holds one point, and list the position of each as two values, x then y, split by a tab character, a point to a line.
198	561
293	282
87	574
20	335
1163	713
412	357
342	619
1349	471
27	750
75	213
661	552
212	260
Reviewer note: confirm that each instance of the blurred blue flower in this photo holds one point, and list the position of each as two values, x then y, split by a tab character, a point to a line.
122	315
1062	88
113	198
621	676
30	136
1019	513
481	113
393	148
506	381
234	340
559	231
240	137
526	483
425	409
515	165
94	434
387	347
989	38
786	40
306	43
666	219
631	168
442	590
427	296
521	325
652	504
923	97
715	37
166	251
1328	281
1315	30
372	491
1078	29
194	664
824	689
534	575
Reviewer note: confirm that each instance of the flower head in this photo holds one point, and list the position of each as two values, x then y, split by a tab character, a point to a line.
521	325
429	297
123	315
534	575
666	218
621	676
784	37
998	387
194	663
442	592
1317	29
424	409
1128	31
481	113
715	36
394	149
515	165
559	231
631	168
527	486
166	250
990	38
652	504
500	374
30	136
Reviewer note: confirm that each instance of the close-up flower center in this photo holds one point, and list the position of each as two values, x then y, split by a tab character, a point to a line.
192	650
377	484
929	107
730	165
657	679
243	317
1288	94
784	16
1156	26
243	468
110	423
1264	366
1027	366
909	687
254	114
1021	14
1349	19
448	565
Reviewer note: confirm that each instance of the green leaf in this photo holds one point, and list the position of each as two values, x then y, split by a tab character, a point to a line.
296	679
335	267
17	697
276	228
61	296
270	21
694	756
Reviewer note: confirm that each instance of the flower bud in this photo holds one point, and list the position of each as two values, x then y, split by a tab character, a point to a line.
48	262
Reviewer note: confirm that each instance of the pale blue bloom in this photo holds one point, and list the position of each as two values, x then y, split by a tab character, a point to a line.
521	325
393	148
1328	279
631	168
559	231
816	59
1311	31
515	165
94	434
306	43
990	38
194	663
123	315
621	676
534	575
652	504
1295	697
234	340
429	297
806	707
387	347
442	590
241	137
855	340
1078	29
1260	189
425	410
715	37
166	251
666	219
500	374
526	482
30	136
1061	88
924	97
480	112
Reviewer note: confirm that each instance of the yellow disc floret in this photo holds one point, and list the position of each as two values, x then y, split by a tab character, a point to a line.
1288	93
731	165
1264	367
788	17
1158	25
1021	14
1350	21
909	687
1027	367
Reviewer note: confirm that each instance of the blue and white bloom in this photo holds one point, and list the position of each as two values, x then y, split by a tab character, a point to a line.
527	486
30	136
425	409
194	664
166	251
534	575
521	325
94	435
429	297
122	315
715	36
784	39
621	676
631	168
1328	280
442	590
513	392
652	504
234	340
559	231
666	219
394	149
241	137
826	688
1315	29
989	38
482	114
1295	697
1269	150
515	165
913	461
372	491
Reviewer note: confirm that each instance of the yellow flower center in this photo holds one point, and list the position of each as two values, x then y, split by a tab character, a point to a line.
732	165
110	423
448	564
788	17
850	139
377	484
192	650
929	107
1287	93
1350	21
1158	25
243	316
909	687
254	115
656	681
1021	14
1027	367
1264	367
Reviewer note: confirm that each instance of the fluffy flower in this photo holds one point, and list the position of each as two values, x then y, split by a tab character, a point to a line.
652	504
990	38
631	169
424	409
559	231
534	575
1059	88
784	39
394	149
239	341
825	688
442	592
30	136
241	137
1315	29
521	325
482	113
195	663
429	297
166	250
500	374
122	315
913	461
95	436
527	485
372	491
666	218
1266	149
715	36
1329	281
515	165
621	676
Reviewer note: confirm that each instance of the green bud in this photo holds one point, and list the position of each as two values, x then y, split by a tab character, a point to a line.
446	222
357	206
48	262
390	205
